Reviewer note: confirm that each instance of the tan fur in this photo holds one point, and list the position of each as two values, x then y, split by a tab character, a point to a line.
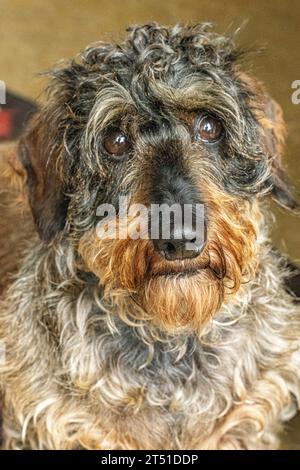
15	222
132	269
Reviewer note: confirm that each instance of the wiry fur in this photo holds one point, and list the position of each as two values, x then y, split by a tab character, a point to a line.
99	383
108	345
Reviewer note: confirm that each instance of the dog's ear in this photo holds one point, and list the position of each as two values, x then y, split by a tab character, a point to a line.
40	152
273	132
269	117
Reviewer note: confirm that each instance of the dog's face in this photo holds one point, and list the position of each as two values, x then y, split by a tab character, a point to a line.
166	117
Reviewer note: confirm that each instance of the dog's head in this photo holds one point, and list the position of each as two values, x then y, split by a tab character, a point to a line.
166	117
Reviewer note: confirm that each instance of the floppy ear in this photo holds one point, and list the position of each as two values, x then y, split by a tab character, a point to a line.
40	152
269	117
274	136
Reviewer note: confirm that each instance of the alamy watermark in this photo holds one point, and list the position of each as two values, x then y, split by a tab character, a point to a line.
156	221
2	92
296	94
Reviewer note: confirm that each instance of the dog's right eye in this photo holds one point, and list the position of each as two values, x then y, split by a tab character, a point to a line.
209	129
116	143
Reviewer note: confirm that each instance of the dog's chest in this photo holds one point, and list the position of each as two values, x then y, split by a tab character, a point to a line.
153	397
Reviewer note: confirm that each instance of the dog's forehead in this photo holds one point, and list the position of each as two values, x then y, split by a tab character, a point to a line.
157	63
146	96
159	72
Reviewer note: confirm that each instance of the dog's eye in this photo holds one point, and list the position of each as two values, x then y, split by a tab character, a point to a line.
116	143
209	129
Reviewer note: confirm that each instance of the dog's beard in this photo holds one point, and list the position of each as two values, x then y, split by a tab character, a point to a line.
174	295
184	301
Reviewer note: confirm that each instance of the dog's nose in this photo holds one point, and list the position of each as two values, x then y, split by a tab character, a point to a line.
180	246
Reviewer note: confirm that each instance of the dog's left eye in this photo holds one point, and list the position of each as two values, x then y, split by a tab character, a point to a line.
116	143
208	129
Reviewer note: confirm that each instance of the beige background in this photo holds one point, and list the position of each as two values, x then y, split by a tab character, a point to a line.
34	34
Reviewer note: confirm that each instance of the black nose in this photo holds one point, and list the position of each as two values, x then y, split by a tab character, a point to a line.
180	246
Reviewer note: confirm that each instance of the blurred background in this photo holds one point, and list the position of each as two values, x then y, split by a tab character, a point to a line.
36	34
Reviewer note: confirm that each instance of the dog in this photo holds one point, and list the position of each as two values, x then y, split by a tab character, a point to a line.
149	343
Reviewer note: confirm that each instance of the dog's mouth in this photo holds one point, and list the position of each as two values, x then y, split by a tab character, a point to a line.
182	269
179	273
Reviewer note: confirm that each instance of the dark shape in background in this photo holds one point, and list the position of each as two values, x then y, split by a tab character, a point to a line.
14	115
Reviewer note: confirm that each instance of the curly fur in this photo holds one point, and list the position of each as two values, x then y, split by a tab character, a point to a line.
109	346
99	383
